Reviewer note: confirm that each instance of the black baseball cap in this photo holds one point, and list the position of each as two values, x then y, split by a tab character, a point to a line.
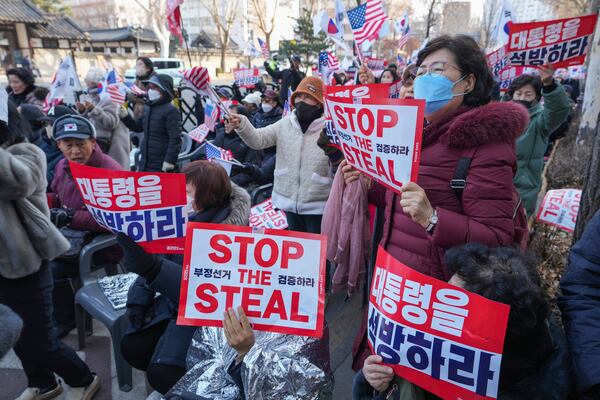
73	126
56	112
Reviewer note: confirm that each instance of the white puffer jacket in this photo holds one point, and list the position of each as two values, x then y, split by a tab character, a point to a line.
302	181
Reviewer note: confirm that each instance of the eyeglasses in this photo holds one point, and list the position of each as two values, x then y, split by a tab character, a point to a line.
436	68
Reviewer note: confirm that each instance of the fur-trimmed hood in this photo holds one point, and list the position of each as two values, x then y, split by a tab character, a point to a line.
239	207
467	127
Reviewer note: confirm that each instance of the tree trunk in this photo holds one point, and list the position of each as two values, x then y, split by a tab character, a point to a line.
268	39
589	135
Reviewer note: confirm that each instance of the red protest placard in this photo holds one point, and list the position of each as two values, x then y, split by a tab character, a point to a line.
376	64
560	42
497	60
278	277
374	91
263	215
246	77
380	137
560	208
442	338
149	207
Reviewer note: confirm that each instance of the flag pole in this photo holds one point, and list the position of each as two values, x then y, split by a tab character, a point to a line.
185	39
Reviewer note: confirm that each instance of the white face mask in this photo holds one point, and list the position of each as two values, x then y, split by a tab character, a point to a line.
266	107
153	94
189	207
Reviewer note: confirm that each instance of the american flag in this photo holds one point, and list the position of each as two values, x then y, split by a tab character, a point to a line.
211	115
323	62
198	77
117	93
132	87
264	48
287	109
334	63
213	151
366	20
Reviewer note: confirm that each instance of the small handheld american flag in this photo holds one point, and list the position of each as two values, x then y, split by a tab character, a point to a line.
198	77
366	20
213	151
264	49
287	109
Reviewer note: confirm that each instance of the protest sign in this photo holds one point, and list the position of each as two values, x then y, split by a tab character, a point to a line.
508	75
263	215
577	72
199	133
380	137
376	64
560	42
374	91
278	277
394	90
246	77
497	61
148	207
560	208
440	337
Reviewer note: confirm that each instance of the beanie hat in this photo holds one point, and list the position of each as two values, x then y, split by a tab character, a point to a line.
74	127
311	86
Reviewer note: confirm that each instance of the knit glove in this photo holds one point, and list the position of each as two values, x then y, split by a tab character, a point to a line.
166	167
61	216
137	315
137	260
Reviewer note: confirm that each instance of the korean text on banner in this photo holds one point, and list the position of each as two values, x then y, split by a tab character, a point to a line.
441	337
560	42
148	207
278	277
263	215
246	77
560	208
497	61
374	91
380	137
508	75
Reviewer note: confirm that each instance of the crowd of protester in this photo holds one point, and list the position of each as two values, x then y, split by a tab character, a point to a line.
471	235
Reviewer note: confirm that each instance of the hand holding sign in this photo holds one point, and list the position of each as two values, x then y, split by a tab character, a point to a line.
415	203
379	376
232	122
239	333
547	74
365	75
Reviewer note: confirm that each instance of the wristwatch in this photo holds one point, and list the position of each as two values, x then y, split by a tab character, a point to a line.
433	220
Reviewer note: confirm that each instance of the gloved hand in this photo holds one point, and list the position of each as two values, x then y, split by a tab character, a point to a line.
136	314
137	260
247	169
61	216
166	167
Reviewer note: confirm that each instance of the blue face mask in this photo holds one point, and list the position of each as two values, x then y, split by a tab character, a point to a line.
436	90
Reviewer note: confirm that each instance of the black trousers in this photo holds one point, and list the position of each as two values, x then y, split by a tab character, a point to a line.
40	352
139	348
310	223
63	296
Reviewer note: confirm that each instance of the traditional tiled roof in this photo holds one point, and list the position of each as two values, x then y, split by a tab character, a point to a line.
121	34
58	28
20	11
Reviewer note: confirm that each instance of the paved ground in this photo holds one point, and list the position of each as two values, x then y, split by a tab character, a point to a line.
342	315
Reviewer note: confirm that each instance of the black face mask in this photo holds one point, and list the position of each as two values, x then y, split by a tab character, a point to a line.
526	103
306	114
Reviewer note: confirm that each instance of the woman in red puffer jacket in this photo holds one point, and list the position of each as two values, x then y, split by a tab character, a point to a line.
461	123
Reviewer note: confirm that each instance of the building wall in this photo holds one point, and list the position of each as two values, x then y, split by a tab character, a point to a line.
531	10
455	17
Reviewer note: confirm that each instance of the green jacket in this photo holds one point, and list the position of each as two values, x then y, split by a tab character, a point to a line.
532	144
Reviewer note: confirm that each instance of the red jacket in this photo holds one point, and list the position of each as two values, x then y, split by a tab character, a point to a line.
488	205
64	191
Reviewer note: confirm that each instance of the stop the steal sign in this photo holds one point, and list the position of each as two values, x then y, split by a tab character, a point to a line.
278	277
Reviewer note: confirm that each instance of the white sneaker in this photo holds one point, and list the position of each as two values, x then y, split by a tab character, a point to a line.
34	393
84	393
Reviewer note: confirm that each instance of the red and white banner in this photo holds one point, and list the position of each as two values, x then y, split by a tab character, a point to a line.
148	207
497	61
560	208
560	42
441	337
263	215
246	77
374	91
278	277
376	64
508	75
380	137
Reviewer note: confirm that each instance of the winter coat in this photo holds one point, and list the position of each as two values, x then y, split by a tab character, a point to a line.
532	143
110	129
53	156
263	173
24	213
399	389
240	151
25	97
485	214
161	124
301	171
64	192
580	306
262	119
290	79
164	306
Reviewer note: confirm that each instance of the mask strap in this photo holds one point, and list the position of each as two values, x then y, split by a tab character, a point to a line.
460	94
